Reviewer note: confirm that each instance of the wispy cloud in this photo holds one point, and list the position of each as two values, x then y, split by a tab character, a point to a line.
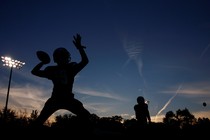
196	88
30	98
202	114
103	94
27	97
134	50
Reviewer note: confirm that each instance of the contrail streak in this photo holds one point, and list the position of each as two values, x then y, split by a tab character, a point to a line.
204	51
169	101
134	51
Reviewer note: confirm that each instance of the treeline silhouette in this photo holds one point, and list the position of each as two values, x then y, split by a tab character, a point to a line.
177	124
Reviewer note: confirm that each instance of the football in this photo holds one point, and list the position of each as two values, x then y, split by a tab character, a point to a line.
43	56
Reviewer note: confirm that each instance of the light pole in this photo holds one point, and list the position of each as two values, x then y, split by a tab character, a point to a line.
8	61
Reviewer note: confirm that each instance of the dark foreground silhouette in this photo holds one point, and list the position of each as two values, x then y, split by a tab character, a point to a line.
70	126
178	125
103	129
62	76
141	111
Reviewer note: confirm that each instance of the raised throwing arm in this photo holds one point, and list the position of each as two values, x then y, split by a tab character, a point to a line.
80	47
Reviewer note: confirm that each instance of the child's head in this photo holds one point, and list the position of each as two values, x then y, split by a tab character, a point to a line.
140	100
61	56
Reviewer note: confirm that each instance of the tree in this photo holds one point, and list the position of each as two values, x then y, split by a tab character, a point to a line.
185	118
182	118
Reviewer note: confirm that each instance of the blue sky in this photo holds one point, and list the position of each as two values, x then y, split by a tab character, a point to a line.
159	49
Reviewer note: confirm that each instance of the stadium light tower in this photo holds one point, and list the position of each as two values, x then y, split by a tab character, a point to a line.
8	61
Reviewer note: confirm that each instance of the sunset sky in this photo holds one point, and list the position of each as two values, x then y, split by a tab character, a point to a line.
159	49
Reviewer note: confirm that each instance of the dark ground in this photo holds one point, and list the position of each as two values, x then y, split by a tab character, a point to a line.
151	132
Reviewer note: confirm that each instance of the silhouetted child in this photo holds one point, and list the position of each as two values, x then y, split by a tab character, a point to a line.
142	112
62	76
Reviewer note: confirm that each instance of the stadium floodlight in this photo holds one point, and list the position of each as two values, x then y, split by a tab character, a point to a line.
9	62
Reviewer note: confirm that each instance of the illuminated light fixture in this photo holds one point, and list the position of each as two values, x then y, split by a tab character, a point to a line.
9	62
